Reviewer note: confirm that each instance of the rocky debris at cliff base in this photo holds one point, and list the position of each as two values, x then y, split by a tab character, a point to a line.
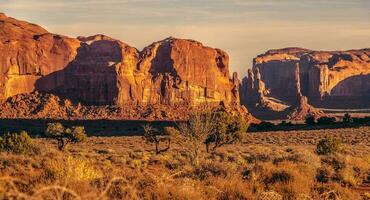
302	109
38	105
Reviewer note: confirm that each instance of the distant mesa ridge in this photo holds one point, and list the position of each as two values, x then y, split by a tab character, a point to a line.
329	79
99	70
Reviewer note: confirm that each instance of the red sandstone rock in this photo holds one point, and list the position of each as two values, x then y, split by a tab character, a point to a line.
337	79
99	70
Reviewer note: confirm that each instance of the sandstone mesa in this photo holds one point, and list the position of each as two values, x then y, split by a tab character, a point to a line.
101	71
300	78
46	75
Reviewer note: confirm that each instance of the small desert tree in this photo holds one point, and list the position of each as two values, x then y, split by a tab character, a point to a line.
65	136
228	129
152	135
194	133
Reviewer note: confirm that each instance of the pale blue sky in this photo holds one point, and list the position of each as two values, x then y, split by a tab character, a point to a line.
243	28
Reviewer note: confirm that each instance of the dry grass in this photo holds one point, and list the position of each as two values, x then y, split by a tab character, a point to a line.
271	165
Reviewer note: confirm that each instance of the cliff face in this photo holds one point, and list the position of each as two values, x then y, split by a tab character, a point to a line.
176	71
337	79
99	70
29	52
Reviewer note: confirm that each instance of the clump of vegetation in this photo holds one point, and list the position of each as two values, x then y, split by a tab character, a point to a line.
326	120
17	143
227	129
262	126
310	119
72	169
329	145
347	119
281	176
194	134
65	136
285	123
152	135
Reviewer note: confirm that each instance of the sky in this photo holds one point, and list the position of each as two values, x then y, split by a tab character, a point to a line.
243	28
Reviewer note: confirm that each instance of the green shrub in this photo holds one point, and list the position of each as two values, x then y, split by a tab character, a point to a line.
310	120
65	136
262	126
328	145
326	120
227	129
18	143
347	118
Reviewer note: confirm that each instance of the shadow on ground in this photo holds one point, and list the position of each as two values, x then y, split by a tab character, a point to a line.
92	127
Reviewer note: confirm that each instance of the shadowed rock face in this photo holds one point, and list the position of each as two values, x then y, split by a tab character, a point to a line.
99	70
336	79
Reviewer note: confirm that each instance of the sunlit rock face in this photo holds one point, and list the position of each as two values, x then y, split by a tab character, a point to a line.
29	52
338	79
99	70
178	71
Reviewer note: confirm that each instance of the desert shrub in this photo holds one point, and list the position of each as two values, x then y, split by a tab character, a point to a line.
289	179
279	177
310	119
326	120
209	169
232	188
349	171
153	136
329	145
65	136
347	118
17	143
227	129
72	169
324	174
285	123
336	162
266	125
194	133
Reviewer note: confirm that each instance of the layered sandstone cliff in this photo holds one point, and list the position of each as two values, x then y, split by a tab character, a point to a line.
335	79
101	71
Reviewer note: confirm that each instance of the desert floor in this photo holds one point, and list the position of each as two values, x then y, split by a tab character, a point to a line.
266	165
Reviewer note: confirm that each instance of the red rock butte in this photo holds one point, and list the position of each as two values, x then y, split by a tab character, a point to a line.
99	70
329	79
